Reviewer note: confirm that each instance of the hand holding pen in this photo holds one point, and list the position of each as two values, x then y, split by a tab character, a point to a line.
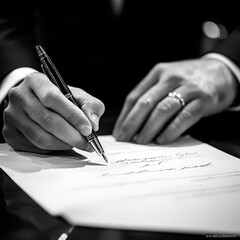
52	73
40	119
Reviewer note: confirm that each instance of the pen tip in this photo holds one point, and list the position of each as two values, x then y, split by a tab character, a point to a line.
105	158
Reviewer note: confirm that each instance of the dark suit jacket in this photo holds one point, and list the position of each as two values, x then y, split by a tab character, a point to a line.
104	54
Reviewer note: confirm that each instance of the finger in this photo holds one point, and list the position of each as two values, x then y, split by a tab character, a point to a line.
91	106
27	135
186	118
45	140
31	117
140	112
19	142
40	137
31	132
164	112
51	97
52	122
150	80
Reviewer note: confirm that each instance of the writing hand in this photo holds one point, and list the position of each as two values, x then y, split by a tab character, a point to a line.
207	87
39	118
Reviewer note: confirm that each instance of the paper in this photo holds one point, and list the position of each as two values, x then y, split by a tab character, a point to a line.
187	186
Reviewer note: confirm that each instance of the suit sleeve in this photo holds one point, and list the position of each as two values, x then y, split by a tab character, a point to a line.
230	47
17	39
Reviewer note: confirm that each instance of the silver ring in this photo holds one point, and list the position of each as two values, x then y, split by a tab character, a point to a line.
178	96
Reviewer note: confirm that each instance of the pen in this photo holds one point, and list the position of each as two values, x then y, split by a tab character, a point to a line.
52	73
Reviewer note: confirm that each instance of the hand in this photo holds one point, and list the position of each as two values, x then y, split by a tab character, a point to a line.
207	87
39	118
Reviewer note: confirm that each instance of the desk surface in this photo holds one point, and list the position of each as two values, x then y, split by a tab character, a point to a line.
22	219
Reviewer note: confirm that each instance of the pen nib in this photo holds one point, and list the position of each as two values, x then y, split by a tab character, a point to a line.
105	158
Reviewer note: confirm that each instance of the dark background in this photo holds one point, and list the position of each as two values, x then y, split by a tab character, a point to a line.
107	55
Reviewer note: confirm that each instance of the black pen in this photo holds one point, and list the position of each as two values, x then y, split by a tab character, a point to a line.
52	73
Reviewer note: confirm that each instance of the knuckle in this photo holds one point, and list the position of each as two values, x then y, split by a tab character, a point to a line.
13	95
46	119
32	75
187	114
159	66
131	98
145	103
175	78
6	114
49	98
164	107
28	79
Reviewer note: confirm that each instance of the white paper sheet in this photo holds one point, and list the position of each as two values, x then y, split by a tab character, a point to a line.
187	186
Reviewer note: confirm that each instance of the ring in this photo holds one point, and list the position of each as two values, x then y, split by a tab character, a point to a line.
178	96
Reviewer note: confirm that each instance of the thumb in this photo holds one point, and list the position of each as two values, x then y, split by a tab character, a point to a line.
94	110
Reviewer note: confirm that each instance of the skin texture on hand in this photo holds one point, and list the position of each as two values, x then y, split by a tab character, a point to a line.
39	118
149	114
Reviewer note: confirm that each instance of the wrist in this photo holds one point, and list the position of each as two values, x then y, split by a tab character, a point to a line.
235	71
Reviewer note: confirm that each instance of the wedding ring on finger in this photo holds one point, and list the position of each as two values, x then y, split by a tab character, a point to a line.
178	96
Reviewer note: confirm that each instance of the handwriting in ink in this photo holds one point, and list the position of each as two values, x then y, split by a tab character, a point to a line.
148	170
158	158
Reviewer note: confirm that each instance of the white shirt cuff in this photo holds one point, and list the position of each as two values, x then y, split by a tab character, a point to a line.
12	79
230	64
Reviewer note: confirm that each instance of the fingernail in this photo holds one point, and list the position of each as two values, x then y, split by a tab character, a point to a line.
85	130
95	118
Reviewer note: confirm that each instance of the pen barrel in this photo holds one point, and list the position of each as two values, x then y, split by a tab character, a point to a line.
52	73
52	77
93	140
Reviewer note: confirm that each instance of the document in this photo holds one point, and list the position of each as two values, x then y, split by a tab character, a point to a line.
187	186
